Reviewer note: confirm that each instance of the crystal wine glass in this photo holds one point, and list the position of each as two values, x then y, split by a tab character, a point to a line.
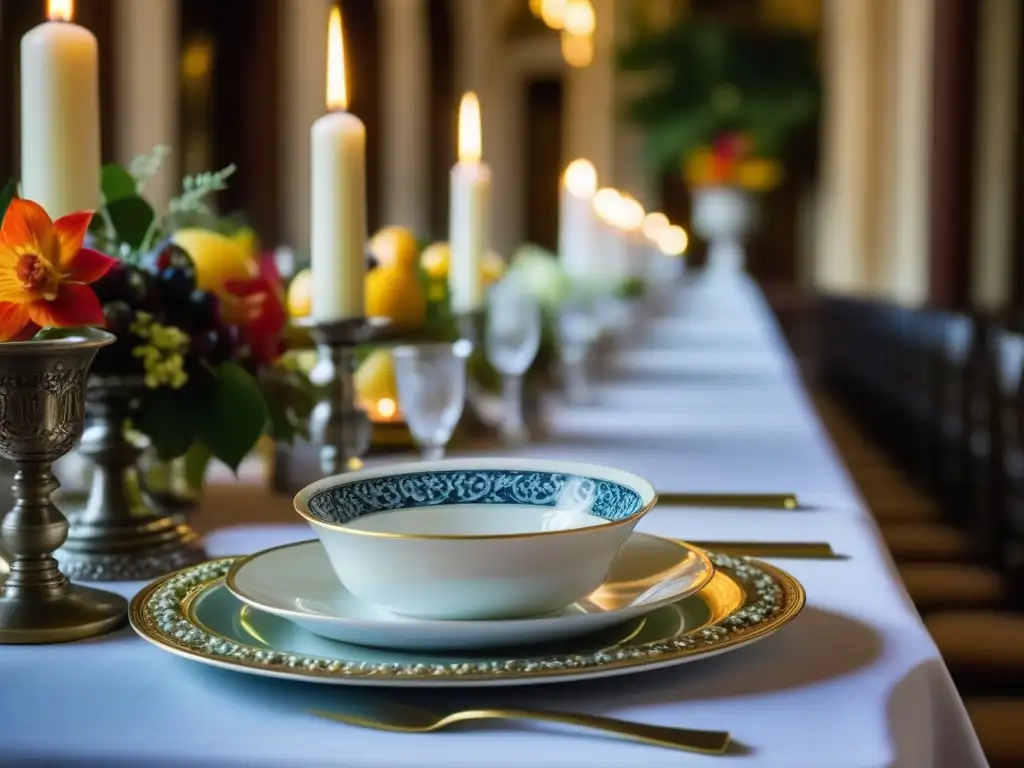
513	338
431	381
577	330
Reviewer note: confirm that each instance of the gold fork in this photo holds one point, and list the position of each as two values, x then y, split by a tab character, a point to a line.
405	719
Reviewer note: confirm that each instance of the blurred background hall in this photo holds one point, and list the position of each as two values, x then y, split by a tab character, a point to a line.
888	240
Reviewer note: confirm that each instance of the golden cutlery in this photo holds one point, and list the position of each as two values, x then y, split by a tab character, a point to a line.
798	550
731	500
405	719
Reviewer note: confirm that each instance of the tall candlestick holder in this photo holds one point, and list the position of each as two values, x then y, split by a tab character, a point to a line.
121	534
42	416
474	426
339	428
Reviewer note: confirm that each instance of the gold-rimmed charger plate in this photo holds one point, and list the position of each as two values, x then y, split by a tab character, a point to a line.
191	613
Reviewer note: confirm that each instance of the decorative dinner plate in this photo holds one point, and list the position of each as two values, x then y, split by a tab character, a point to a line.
193	614
297	582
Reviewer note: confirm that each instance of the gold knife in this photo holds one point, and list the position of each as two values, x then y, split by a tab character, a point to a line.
731	500
796	550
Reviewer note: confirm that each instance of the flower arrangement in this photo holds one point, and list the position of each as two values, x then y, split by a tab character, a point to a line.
728	162
202	332
710	82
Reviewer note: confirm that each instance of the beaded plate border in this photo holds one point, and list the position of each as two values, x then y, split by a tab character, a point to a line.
160	614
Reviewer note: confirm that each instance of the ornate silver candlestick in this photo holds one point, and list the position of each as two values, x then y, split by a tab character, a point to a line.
338	426
42	415
120	535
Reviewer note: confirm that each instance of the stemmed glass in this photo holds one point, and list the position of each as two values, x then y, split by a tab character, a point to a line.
513	338
577	331
431	381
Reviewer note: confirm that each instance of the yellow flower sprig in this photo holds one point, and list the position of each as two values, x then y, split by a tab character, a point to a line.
162	354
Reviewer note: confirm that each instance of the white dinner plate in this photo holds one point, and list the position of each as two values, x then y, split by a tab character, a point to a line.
296	582
192	614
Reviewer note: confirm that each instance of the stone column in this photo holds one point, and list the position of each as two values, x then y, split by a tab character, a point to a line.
405	65
303	44
995	166
909	270
841	263
590	110
146	84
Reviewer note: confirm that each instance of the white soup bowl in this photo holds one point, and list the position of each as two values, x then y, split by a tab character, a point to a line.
475	539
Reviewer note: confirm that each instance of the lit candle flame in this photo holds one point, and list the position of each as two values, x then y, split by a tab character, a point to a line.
606	201
630	214
552	12
337	92
579	18
577	50
470	139
581	178
654	224
60	10
673	241
386	407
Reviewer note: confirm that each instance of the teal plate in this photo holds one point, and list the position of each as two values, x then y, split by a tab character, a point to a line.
191	613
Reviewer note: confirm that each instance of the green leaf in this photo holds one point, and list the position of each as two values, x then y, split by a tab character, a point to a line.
132	218
116	183
197	459
7	194
163	418
232	418
279	421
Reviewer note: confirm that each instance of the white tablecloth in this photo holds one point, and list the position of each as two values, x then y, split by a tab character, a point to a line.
854	682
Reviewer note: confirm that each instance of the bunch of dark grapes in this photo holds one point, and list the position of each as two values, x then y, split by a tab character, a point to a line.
162	288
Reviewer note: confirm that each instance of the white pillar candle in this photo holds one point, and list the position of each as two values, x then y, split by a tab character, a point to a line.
611	246
630	219
469	223
653	225
60	114
338	199
576	221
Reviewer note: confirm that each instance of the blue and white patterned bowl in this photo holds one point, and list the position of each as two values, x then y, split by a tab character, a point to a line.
475	538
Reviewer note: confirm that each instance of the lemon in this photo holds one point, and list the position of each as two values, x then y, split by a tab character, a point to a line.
247	241
300	294
395	247
435	259
395	293
217	258
375	378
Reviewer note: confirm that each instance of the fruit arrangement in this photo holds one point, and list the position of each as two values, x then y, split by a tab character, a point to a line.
729	162
200	320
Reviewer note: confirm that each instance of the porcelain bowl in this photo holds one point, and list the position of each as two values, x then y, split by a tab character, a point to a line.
475	539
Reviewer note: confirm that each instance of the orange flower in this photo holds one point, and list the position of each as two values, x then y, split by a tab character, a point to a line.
45	272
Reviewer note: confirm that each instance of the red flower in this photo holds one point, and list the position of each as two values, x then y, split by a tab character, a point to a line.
257	306
45	272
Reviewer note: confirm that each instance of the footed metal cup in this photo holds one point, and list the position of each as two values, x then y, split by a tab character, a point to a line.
42	415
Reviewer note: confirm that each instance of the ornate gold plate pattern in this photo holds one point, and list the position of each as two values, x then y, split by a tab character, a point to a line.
192	614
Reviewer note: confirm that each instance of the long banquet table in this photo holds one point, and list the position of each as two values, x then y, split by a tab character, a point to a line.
854	682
